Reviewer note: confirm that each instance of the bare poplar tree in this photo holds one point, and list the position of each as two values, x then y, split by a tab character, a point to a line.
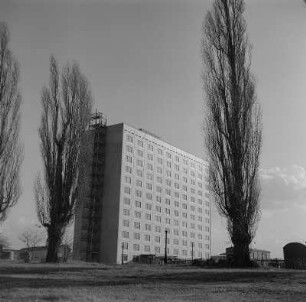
66	112
10	148
233	128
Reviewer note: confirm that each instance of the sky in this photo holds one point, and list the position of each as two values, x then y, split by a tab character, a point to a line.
143	61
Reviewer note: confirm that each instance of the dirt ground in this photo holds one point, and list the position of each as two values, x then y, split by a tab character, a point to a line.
84	282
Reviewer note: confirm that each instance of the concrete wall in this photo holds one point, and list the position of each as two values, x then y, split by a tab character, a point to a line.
111	196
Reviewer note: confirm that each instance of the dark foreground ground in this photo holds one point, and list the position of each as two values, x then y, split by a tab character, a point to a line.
82	282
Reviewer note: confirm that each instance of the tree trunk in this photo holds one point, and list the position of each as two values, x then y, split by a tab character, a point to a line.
54	242
241	254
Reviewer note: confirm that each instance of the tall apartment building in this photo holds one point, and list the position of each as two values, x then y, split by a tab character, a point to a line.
146	187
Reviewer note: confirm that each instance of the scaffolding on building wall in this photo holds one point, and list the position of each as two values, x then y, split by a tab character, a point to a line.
92	212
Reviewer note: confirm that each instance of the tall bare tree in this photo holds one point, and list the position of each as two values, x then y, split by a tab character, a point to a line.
66	112
10	148
233	128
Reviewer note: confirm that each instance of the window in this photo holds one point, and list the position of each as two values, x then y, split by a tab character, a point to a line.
192	225
200	210
199	185
192	234
175	252
159	179
129	159
137	225
200	218
160	151
176	185
138	183
200	193
149	186
176	222
136	236
127	201
185	244
139	173
137	204
138	193
185	170
184	188
168	164
192	217
168	192
126	212
126	223
148	206
199	227
192	208
167	220
128	169
158	209
148	227
167	201
176	194
129	148
127	190
184	196
158	198
176	176
158	189
176	203
150	147
125	245
177	159
140	153
129	138
140	143
207	229
137	214
199	236
168	173
150	176
192	191
148	216
168	182
175	241
149	196
150	167
159	170
184	206
192	199
192	173
176	232
157	249
192	181
157	229
125	234
176	213
147	248
184	224
159	160
177	168
167	211
147	237
200	245
136	247
157	239
139	163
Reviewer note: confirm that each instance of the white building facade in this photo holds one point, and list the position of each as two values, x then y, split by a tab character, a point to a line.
151	187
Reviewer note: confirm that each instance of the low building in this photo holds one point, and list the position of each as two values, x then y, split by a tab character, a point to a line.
39	253
260	257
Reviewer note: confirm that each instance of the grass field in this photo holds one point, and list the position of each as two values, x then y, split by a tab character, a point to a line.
84	282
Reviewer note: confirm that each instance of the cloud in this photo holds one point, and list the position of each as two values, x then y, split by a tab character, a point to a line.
283	188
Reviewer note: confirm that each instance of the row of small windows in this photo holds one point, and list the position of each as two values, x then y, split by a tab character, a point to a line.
129	148
158	218
159	179
140	163
127	201
148	206
157	250
147	237
139	193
